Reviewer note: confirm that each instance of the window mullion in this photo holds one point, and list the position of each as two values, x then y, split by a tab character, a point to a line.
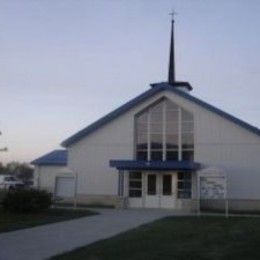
149	135
179	134
164	130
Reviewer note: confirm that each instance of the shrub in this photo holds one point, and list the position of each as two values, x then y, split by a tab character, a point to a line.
27	201
2	195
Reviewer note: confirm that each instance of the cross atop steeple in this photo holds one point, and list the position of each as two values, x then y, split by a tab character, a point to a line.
172	14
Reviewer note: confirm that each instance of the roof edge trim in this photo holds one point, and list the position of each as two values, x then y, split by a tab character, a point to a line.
156	88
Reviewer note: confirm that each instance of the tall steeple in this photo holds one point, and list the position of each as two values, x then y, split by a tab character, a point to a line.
171	72
180	85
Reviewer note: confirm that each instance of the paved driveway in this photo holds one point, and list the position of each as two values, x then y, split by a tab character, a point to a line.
45	241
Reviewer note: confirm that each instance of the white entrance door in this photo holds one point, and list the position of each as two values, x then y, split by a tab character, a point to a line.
65	187
152	199
159	190
168	185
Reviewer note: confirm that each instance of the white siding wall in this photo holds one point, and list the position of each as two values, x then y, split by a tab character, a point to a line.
90	157
218	142
221	143
45	177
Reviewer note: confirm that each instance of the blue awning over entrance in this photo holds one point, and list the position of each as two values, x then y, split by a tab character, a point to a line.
155	165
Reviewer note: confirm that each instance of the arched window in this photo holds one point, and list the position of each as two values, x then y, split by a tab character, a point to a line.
164	131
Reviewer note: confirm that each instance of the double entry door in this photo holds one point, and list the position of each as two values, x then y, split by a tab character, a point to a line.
160	190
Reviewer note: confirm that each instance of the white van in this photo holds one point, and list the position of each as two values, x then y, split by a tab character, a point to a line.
9	182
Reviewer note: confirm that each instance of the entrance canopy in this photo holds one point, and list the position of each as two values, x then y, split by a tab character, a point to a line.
154	165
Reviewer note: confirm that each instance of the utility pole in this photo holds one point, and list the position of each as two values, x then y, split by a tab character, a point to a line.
4	149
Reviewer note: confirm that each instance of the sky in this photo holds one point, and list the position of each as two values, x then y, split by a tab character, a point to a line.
66	63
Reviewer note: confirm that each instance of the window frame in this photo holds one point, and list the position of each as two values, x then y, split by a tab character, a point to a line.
181	120
184	181
155	179
131	179
163	186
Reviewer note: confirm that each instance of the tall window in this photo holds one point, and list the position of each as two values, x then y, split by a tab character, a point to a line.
142	136
187	136
167	184
164	131
151	184
184	185
135	184
156	132
172	131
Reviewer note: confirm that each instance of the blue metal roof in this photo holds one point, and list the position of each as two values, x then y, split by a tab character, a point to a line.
154	165
156	88
56	157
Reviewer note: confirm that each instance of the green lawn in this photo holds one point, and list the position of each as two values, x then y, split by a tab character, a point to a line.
182	238
12	221
80	205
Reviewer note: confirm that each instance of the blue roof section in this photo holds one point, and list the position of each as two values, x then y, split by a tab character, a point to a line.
56	157
154	165
156	88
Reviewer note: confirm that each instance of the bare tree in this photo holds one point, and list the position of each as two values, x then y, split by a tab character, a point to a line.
4	149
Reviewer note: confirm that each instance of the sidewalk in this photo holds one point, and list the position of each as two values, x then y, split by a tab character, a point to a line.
45	241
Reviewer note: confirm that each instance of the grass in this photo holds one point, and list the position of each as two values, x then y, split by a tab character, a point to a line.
182	238
84	205
14	221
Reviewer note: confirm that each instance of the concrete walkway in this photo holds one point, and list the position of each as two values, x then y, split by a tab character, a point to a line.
45	241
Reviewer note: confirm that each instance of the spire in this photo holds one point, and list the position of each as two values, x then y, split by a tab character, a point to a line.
171	73
180	85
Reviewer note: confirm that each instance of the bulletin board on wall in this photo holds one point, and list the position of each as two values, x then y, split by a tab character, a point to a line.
212	185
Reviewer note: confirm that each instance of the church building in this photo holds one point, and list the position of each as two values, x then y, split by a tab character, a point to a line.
150	152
